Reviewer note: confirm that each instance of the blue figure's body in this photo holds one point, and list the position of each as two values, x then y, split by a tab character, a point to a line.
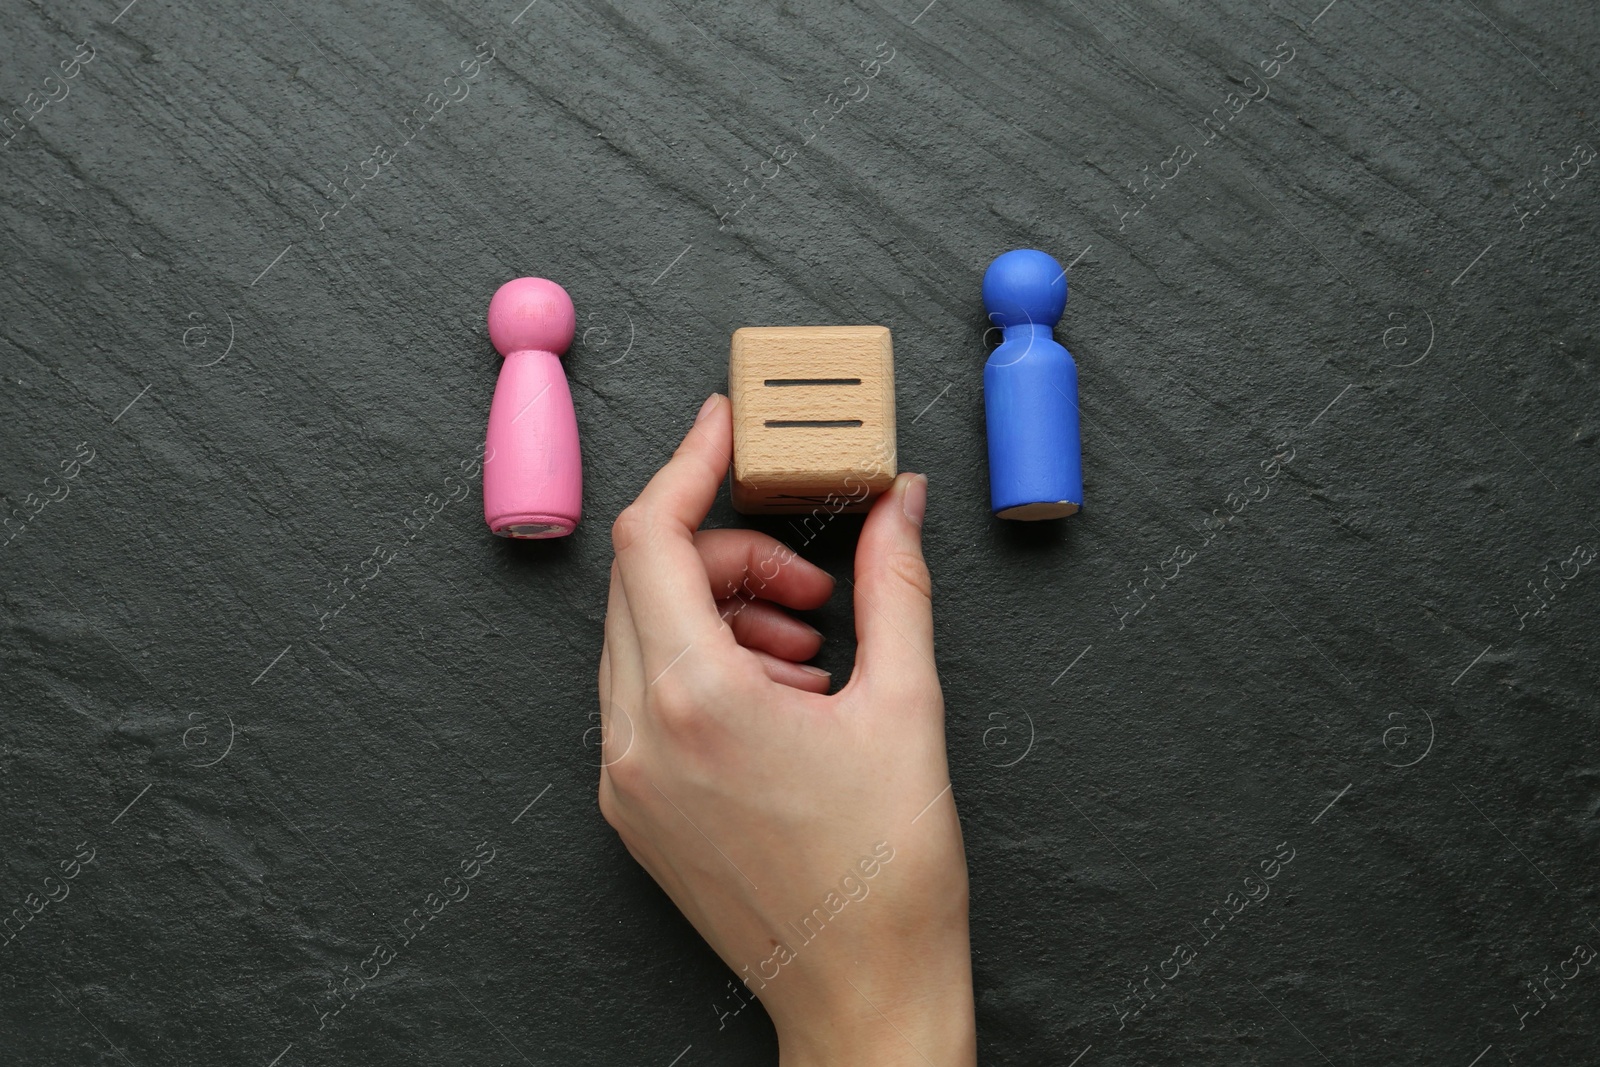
1030	392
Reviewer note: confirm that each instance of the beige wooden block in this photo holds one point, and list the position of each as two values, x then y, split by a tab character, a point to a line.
813	417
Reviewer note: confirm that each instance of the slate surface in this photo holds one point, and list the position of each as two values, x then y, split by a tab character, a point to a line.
223	402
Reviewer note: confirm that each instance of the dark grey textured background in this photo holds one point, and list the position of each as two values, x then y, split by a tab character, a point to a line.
1354	269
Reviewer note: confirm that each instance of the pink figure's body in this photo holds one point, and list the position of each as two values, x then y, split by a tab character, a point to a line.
532	473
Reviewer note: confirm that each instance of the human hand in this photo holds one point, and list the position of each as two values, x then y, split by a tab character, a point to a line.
811	839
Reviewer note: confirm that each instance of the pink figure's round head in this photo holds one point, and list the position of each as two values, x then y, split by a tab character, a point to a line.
531	314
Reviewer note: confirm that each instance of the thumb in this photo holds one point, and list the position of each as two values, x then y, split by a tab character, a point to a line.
894	594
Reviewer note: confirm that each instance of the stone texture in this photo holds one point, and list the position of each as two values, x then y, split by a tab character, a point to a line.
1340	316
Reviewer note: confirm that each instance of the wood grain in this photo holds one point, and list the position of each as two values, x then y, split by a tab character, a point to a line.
838	379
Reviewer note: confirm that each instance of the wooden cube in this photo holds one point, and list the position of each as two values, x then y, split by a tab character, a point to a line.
813	417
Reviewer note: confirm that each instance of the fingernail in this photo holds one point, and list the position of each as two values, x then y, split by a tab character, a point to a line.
711	402
914	498
818	671
814	630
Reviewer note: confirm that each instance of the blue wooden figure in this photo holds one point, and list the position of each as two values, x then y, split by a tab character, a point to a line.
1030	392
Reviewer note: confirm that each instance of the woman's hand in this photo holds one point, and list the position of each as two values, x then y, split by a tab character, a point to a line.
811	839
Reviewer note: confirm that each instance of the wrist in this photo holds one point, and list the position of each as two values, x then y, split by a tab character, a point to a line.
914	1011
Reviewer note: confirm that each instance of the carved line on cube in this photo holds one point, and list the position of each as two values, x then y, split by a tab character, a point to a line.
812	381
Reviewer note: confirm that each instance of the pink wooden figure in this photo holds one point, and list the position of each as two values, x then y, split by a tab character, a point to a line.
532	473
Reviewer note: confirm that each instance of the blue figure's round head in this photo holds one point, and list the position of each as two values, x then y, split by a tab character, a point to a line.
1024	286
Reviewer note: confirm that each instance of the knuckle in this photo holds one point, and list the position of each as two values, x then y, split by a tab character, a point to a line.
684	700
911	569
677	705
621	783
631	527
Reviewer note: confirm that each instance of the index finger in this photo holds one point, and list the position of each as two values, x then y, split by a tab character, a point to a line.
663	576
